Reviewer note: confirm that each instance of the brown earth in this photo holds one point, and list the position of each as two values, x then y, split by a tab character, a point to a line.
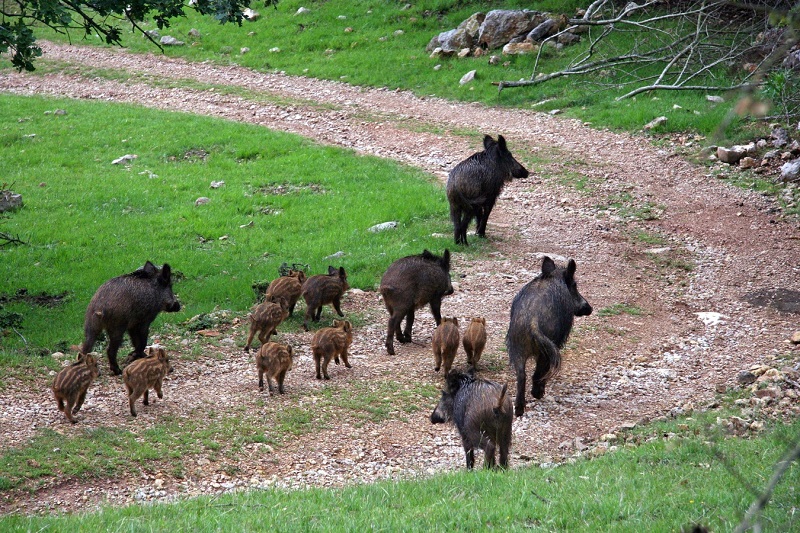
718	246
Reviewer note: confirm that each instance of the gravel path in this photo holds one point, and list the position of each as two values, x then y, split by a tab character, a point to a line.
721	244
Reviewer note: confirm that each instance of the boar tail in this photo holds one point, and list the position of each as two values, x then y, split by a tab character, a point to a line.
548	357
498	410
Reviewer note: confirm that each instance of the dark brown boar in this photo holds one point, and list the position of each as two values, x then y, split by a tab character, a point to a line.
482	413
331	343
129	303
146	373
265	319
475	340
445	344
71	384
324	289
542	314
410	283
289	287
474	185
274	360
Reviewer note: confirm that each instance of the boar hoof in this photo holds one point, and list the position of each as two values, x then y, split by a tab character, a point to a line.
348	365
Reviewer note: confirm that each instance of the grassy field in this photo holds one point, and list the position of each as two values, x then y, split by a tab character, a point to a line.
668	477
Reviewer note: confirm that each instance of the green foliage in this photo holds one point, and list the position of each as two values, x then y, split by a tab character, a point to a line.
98	17
782	87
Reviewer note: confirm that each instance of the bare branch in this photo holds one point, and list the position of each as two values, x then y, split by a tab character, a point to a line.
757	506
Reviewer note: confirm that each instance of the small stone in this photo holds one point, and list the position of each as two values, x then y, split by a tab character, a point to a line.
467	78
555	112
217	184
302	10
747	162
195	33
464	52
169	40
124	159
275	50
494	60
437	67
654	123
795	338
791	171
243	50
383	226
202	201
745	378
715	99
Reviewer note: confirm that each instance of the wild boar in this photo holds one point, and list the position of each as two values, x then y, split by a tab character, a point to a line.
331	343
72	382
146	373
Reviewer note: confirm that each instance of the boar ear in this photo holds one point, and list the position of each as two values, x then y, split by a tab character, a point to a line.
166	274
501	142
571	266
426	254
548	266
488	142
331	271
150	269
342	273
446	259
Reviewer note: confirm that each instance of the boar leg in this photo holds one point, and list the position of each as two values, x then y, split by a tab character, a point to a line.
114	342
146	400
394	327
437	359
407	331
469	454
317	364
68	411
132	403
519	404
269	384
460	219
60	401
157	387
336	305
325	363
250	338
344	358
281	377
482	215
79	403
436	305
139	340
260	379
488	452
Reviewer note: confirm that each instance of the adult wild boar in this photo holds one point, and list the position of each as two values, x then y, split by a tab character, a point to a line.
542	314
408	284
129	303
474	185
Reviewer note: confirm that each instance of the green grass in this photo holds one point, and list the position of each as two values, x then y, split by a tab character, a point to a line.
285	199
685	472
620	308
318	44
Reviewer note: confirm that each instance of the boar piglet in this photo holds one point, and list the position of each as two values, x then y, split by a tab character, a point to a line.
410	283
542	314
129	303
289	287
71	384
474	185
273	360
331	343
445	344
324	289
146	373
265	318
475	340
481	410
